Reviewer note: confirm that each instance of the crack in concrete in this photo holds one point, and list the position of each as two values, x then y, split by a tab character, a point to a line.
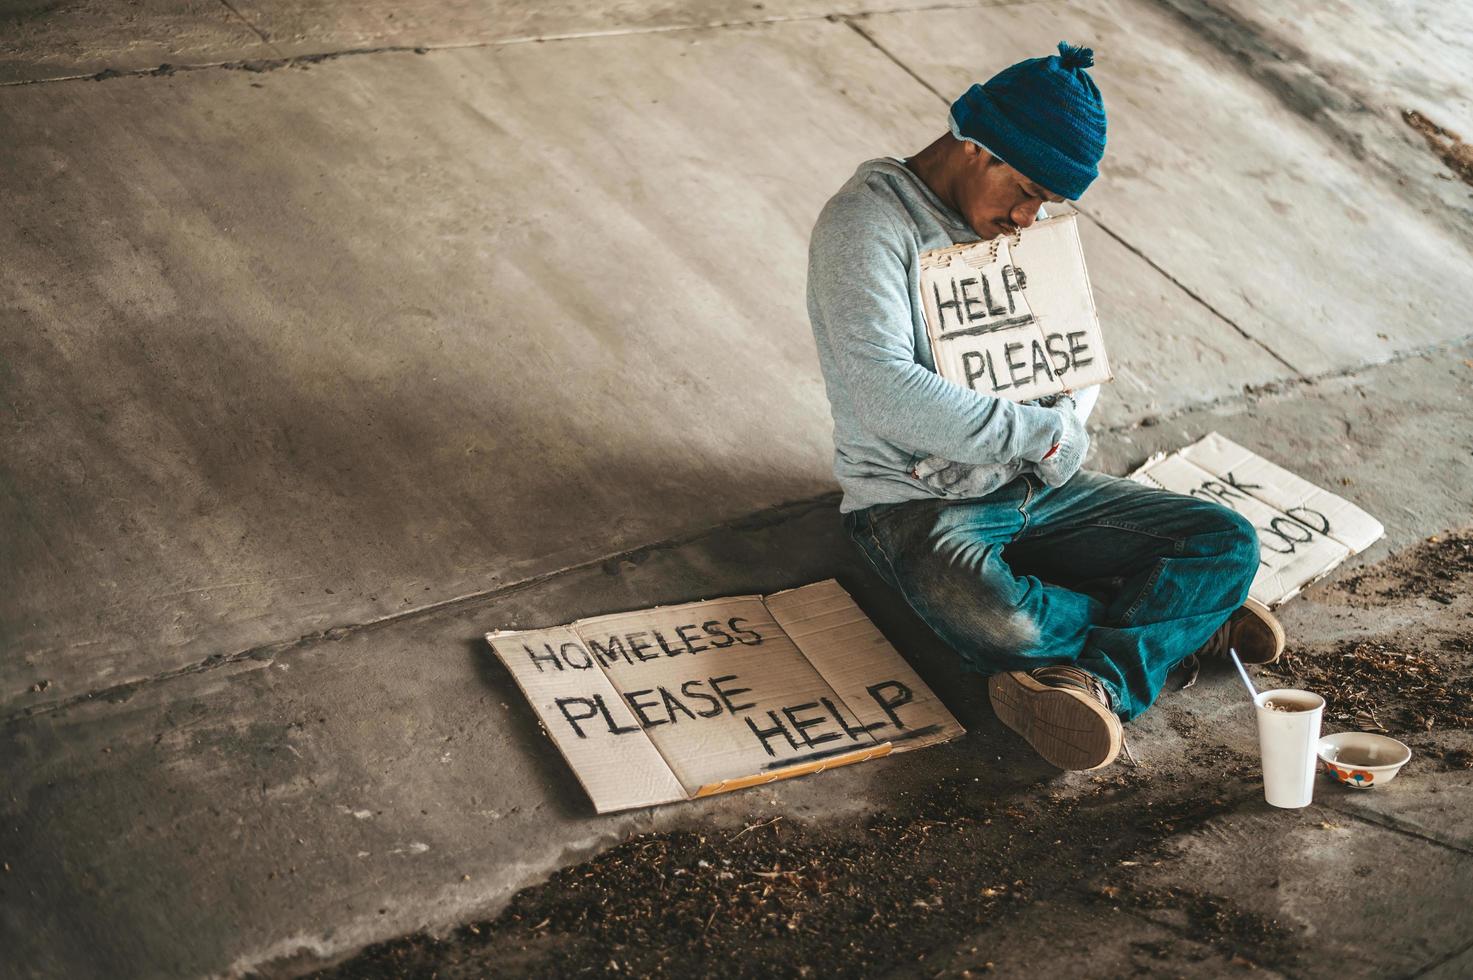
312	58
1397	828
1435	964
1186	933
1190	292
257	65
1290	74
1238	39
1098	223
250	26
267	653
894	60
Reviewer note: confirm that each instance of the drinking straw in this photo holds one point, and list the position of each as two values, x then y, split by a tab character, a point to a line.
1252	691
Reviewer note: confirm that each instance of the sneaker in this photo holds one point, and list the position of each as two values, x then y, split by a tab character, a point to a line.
1253	631
1063	712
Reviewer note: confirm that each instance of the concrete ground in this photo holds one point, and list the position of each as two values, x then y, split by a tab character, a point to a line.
355	330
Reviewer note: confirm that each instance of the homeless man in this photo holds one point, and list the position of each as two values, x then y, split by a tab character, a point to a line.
1076	593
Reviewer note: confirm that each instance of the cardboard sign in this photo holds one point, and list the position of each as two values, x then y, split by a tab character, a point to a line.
1015	318
1303	531
679	702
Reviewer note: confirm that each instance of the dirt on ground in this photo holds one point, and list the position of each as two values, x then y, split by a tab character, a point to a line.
777	899
1449	146
931	886
1371	685
1439	569
1413	684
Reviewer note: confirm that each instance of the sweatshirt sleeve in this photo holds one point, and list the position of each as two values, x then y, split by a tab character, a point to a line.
859	297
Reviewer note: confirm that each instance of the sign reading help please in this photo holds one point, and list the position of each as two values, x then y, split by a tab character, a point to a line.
1015	318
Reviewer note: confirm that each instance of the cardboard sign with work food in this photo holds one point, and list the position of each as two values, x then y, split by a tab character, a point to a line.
1015	317
1303	531
677	702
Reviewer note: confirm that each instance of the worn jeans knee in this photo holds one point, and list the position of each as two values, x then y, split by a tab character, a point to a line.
1236	543
954	577
1124	580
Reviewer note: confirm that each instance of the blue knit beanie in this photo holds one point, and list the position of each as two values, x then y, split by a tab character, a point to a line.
1043	117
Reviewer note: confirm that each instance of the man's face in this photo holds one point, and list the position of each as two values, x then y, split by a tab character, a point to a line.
996	199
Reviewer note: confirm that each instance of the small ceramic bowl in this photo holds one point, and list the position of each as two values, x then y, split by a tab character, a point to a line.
1361	759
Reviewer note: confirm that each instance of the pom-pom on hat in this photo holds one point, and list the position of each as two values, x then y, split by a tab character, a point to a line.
1043	117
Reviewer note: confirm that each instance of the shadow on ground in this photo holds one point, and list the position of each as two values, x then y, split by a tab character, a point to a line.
1137	869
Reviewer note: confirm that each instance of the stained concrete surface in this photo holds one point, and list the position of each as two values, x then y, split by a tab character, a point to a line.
321	25
1411	53
1291	241
337	792
49	39
1085	941
1426	808
1342	881
296	406
263	394
1353	70
1452	969
42	39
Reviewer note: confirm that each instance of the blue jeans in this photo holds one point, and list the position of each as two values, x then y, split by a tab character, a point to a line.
1124	580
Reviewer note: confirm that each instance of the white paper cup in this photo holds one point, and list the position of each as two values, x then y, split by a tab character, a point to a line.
1288	741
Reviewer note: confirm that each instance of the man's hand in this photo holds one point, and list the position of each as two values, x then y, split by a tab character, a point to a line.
959	479
1052	401
1064	460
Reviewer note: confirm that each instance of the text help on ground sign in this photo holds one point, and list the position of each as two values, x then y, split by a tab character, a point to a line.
677	702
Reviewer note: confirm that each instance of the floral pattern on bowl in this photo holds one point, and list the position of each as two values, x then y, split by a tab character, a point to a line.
1355	777
1362	760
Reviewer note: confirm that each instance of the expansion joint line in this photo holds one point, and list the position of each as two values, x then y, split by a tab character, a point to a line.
316	57
267	652
1442	961
853	24
1190	292
1398	829
249	25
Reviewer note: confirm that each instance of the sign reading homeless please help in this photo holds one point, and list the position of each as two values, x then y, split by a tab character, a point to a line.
682	701
1015	318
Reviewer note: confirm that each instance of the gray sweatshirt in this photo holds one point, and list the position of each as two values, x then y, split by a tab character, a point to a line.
892	411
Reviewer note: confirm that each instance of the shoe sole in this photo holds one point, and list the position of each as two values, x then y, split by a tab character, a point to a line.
1266	616
1070	731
